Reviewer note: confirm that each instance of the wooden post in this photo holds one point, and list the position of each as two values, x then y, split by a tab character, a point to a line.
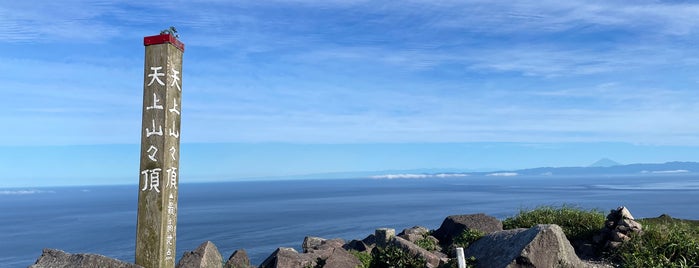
160	152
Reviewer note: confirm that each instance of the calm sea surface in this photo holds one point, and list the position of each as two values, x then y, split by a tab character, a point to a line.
261	216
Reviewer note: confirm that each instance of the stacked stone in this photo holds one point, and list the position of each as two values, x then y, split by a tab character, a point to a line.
618	228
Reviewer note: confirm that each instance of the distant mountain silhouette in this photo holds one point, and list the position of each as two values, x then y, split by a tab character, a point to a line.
632	169
605	162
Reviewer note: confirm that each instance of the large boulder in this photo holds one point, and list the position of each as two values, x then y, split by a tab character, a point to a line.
341	258
357	245
288	258
414	234
330	253
454	225
54	258
205	256
239	259
544	245
432	260
311	242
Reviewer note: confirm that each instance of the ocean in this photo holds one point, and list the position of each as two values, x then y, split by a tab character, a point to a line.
261	216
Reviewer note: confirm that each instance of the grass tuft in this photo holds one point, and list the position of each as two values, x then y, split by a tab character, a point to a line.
577	223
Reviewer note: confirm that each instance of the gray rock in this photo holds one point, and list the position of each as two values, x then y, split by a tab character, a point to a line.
620	237
544	245
54	258
454	225
411	237
431	260
417	230
370	240
624	213
341	258
205	256
383	236
239	259
357	245
287	258
310	242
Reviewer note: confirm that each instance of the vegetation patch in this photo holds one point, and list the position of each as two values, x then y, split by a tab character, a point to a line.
466	238
364	257
665	242
393	257
577	223
427	243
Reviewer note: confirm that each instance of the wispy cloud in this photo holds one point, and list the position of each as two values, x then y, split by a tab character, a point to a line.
361	71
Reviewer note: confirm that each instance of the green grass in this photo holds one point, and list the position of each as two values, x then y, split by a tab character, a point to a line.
665	242
577	223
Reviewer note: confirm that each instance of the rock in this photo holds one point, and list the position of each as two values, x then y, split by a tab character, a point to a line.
325	249
332	243
239	259
624	213
341	258
618	228
415	230
311	242
631	224
357	245
370	240
383	236
431	260
543	245
454	225
612	244
287	258
205	256
54	258
411	237
329	253
620	237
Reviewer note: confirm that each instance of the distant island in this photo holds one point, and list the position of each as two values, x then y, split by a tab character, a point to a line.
604	167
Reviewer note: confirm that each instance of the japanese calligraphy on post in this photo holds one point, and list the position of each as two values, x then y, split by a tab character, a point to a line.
160	143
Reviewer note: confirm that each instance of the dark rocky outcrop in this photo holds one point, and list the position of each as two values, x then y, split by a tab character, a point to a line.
53	258
205	256
543	245
239	259
454	225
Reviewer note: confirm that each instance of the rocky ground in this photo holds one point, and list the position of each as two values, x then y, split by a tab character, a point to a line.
543	245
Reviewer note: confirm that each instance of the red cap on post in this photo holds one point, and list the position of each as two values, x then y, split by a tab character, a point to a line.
161	39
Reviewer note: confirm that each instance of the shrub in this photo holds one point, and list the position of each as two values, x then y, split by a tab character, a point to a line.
394	257
467	237
662	244
577	223
427	244
364	257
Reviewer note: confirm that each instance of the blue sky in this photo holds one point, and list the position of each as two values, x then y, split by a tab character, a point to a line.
276	88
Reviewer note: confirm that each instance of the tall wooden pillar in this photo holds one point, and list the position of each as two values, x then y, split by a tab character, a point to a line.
160	152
